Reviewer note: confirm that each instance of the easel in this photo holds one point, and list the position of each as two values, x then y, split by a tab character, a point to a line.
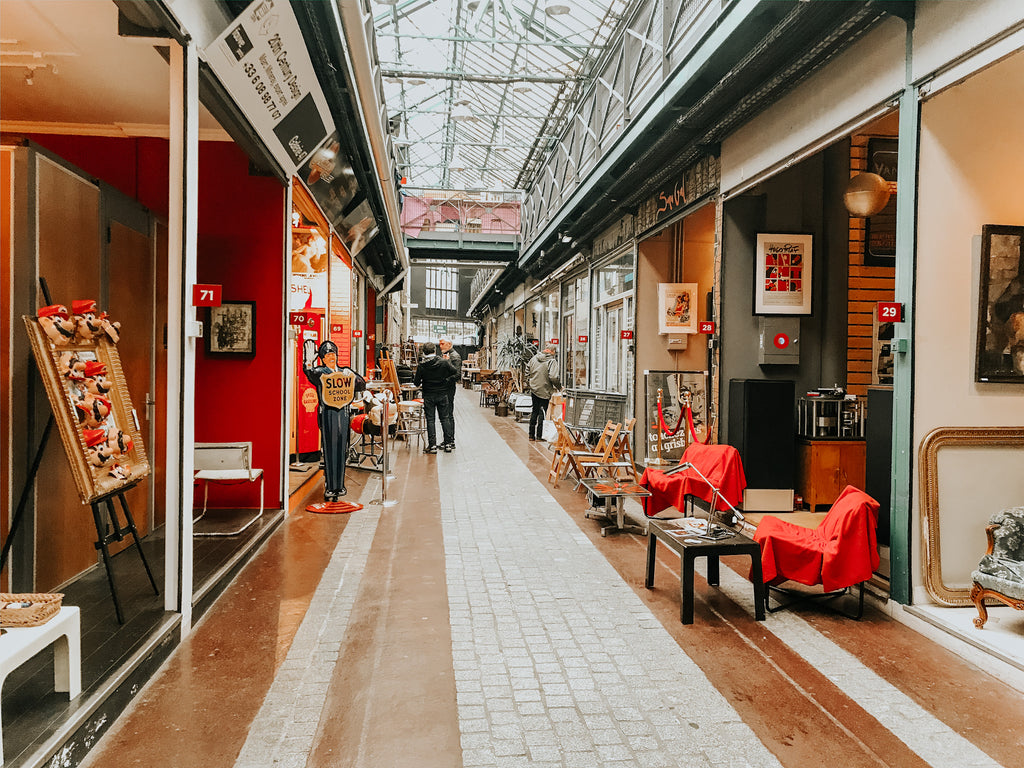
389	374
103	540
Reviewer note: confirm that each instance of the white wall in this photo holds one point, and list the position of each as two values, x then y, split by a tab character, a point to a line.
971	172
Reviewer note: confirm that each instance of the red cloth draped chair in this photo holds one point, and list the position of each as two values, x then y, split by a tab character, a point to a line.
721	465
840	553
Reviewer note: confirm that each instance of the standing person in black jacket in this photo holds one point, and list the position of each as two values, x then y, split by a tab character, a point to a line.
432	377
453	357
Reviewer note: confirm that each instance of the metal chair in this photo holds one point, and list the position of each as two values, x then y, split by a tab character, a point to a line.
225	463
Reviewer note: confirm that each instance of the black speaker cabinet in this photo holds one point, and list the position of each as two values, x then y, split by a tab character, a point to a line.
762	429
878	448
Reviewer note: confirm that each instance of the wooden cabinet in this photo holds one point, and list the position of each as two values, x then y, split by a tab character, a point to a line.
825	467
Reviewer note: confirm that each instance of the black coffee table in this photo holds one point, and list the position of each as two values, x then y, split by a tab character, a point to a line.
689	548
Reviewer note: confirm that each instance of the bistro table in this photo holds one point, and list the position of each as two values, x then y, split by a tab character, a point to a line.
614	492
689	546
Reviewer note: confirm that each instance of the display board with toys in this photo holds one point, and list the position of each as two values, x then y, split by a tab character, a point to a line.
76	352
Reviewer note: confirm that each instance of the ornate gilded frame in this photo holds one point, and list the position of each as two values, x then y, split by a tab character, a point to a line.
936	440
92	482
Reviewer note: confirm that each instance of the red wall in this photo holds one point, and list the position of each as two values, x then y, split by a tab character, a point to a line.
241	246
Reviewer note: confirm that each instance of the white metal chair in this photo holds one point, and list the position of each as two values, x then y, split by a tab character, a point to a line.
225	463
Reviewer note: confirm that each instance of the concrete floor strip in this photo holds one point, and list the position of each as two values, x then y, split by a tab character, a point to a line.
283	731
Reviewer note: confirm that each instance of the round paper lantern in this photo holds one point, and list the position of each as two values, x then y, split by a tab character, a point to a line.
866	194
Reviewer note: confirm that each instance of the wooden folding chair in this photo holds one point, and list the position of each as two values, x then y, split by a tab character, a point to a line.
623	457
565	444
600	459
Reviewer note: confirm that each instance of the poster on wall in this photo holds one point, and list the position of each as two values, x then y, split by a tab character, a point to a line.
77	357
1000	347
880	229
782	274
675	386
263	62
677	308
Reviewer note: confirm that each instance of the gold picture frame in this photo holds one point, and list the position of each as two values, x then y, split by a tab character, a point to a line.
935	441
119	471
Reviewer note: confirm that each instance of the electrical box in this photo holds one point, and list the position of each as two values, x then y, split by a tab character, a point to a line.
779	341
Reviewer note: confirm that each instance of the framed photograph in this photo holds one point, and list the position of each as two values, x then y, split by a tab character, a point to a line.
92	411
782	275
232	328
1000	349
677	308
676	387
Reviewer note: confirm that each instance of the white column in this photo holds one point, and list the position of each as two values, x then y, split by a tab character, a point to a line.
182	331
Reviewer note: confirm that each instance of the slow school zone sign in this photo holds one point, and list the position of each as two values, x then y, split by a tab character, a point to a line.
262	60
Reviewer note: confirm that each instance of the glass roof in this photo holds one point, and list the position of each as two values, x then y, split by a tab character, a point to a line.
476	90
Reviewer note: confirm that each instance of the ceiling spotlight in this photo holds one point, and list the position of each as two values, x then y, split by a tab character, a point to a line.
565	237
415	81
555	8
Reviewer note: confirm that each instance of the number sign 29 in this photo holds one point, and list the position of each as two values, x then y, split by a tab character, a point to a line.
890	312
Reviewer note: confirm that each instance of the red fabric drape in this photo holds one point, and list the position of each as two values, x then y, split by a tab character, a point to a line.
720	464
839	553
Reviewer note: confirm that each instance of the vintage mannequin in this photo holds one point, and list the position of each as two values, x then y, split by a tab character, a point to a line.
333	422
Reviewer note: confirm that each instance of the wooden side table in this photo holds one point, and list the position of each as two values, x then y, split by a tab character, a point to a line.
825	467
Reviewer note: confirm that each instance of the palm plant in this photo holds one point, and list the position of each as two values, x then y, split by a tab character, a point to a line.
514	352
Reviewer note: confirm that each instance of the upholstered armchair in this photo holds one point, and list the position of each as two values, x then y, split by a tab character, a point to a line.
1000	574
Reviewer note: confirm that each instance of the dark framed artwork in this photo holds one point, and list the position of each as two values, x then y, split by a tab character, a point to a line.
232	328
782	274
1000	348
880	229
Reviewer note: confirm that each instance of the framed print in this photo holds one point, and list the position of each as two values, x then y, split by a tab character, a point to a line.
782	275
1000	348
677	308
675	387
232	328
92	411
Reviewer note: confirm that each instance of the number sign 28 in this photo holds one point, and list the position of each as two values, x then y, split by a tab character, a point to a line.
890	312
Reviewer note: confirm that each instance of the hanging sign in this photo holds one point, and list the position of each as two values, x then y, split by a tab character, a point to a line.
358	334
625	334
205	295
582	339
705	326
262	61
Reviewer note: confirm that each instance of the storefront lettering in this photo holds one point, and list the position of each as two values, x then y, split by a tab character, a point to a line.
262	91
673	199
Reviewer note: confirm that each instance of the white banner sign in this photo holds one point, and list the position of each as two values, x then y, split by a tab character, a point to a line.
262	61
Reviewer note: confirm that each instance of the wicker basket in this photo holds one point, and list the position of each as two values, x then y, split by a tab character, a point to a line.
43	608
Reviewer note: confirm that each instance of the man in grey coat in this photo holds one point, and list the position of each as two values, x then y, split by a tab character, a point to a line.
543	378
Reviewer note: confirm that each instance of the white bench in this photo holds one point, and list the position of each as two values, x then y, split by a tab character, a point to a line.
225	463
19	644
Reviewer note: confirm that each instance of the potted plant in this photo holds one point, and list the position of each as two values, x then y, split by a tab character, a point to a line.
513	354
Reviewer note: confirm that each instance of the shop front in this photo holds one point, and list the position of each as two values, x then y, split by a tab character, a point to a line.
676	281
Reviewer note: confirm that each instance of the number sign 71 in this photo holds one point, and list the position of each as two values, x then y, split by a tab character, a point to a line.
890	312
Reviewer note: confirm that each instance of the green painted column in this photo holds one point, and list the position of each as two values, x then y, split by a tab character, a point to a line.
903	379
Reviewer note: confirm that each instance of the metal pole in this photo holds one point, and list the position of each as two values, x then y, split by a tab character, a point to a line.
385	474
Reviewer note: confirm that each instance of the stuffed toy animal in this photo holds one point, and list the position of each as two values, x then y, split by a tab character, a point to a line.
71	367
92	409
118	442
96	380
57	324
86	317
112	329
